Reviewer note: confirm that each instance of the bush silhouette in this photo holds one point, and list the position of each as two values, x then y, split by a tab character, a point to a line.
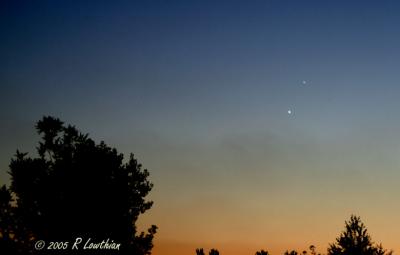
200	251
262	252
74	188
355	240
213	252
291	253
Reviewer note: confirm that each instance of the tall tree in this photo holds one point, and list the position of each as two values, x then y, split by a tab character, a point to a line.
355	240
262	252
74	188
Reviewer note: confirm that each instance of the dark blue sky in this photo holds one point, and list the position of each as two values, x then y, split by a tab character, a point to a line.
200	92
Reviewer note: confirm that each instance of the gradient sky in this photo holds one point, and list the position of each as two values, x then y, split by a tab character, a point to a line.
200	92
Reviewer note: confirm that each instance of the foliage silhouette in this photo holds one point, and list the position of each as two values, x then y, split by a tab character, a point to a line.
213	252
313	251
74	188
355	240
291	253
262	252
7	224
200	251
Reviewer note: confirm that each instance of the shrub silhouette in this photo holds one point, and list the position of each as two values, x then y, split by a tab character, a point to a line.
291	253
213	252
355	240
200	251
74	188
313	251
262	252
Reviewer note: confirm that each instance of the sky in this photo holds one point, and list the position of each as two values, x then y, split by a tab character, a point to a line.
264	124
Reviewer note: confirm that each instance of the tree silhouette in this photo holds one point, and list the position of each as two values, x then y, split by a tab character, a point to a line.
200	251
262	252
291	253
355	241
213	252
74	188
313	249
8	223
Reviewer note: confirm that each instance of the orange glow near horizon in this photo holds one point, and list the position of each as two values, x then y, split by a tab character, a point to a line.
169	247
274	235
